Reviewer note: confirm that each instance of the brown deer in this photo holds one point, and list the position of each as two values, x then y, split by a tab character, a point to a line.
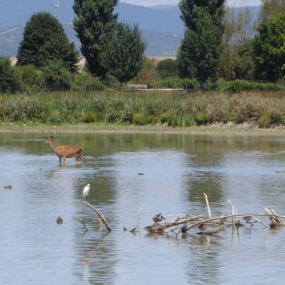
65	151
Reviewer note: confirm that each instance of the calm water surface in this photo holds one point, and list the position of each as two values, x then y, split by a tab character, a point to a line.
35	250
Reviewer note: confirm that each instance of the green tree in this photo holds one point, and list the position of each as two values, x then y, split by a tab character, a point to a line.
271	8
6	72
94	25
269	49
200	50
45	40
167	68
237	62
124	58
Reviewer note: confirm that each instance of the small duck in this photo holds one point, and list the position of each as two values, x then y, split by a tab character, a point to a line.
208	175
202	227
273	223
140	173
125	229
8	187
59	220
247	218
158	218
280	172
133	231
187	175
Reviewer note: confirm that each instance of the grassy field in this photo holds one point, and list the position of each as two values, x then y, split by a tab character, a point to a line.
152	110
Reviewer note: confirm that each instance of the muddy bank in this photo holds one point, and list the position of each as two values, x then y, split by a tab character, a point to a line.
218	127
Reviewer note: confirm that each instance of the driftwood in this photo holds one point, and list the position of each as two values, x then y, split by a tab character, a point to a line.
101	216
216	223
157	228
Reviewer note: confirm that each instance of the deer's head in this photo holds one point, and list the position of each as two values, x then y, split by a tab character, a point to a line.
49	141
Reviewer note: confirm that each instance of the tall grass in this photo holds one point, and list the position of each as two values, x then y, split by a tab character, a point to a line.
151	107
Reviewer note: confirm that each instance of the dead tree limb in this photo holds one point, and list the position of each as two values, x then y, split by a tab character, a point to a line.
222	219
208	206
82	223
157	228
99	214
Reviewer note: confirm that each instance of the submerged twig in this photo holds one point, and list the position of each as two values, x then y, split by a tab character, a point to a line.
99	214
82	223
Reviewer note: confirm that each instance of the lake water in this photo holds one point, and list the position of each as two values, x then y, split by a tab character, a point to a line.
36	250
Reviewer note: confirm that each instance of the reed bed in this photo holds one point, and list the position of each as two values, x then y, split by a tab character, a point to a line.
151	107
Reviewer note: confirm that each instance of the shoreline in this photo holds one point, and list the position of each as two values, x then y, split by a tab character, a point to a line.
216	128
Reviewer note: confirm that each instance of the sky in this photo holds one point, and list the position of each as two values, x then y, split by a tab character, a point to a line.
175	2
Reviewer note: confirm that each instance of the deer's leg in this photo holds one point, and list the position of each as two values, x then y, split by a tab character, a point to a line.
76	156
82	158
59	159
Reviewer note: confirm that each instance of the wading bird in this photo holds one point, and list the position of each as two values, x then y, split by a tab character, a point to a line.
86	190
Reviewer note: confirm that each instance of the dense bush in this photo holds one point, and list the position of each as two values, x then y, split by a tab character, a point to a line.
243	85
6	72
167	68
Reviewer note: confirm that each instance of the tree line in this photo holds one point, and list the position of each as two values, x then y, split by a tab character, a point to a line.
219	42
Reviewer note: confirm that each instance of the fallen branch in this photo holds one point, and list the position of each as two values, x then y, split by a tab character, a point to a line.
157	228
222	219
99	214
82	223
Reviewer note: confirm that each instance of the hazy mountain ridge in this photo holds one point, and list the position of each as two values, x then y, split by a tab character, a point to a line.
161	24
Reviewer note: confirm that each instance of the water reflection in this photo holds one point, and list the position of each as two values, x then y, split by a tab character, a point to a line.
33	245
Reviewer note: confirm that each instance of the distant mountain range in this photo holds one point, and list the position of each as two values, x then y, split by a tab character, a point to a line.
161	24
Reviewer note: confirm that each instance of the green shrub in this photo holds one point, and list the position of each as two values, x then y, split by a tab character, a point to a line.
89	117
201	118
167	68
56	77
165	117
141	119
6	71
265	119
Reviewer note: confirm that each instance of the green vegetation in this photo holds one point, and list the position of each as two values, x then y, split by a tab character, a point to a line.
167	68
45	41
268	49
5	74
155	108
95	27
124	57
200	50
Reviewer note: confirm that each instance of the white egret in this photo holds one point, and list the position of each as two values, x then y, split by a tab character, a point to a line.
86	191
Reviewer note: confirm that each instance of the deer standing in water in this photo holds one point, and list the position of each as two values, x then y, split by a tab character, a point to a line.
65	151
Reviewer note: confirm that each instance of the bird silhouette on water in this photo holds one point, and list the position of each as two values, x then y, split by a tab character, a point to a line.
59	220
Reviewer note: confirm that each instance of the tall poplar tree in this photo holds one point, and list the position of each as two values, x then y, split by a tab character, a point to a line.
200	50
94	25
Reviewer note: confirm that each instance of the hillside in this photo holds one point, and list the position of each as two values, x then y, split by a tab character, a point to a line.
161	24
